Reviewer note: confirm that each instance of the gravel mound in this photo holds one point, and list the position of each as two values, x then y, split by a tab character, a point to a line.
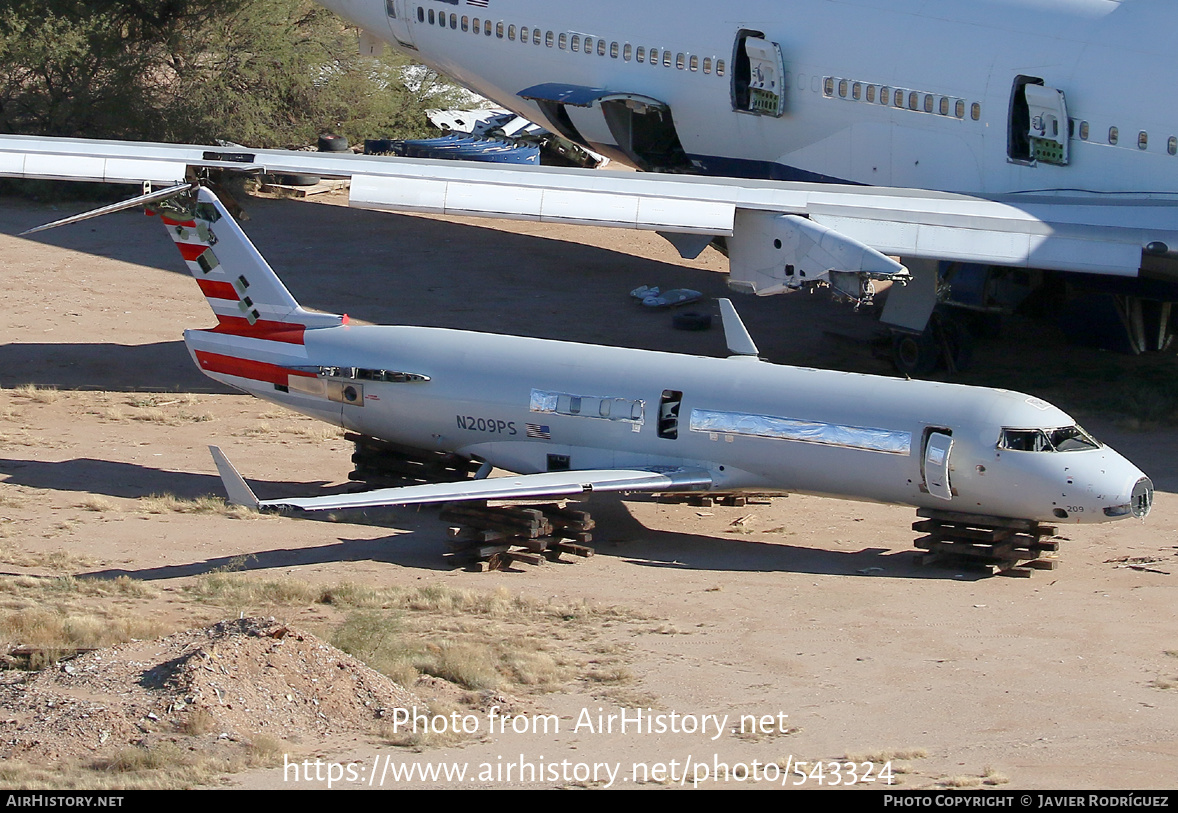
234	680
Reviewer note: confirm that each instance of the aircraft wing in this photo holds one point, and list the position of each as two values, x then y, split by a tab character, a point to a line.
523	486
1065	231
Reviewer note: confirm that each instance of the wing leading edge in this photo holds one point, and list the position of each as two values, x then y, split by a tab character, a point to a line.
520	486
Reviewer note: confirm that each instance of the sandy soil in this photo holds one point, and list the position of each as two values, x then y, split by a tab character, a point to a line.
808	607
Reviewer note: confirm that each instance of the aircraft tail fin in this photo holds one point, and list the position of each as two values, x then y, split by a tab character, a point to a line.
235	486
242	289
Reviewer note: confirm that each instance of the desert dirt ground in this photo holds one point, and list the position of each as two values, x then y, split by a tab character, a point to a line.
812	608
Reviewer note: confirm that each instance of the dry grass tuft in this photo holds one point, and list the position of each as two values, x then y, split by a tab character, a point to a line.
38	395
96	503
206	504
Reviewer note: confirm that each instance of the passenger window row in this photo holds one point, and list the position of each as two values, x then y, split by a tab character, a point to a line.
900	98
576	43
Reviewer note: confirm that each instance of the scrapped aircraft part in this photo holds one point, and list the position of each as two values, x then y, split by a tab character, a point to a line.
493	538
691	320
914	354
736	335
384	464
999	545
869	439
772	253
671	298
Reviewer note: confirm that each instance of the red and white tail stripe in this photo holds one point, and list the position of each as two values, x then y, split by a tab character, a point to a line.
243	291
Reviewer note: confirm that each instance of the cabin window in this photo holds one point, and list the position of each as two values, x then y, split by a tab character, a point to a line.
719	67
944	108
420	14
913	100
511	32
870	93
640	54
828	86
857	91
476	26
613	50
431	16
588	45
390	8
666	58
627	52
680	61
693	63
487	28
1083	131
959	109
842	88
499	30
898	99
707	64
928	103
975	111
576	43
465	23
563	42
1114	135
601	47
523	33
885	95
654	56
535	36
1172	145
549	39
454	21
1142	140
604	407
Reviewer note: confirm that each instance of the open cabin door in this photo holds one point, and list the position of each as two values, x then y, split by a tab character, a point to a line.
398	15
935	465
758	78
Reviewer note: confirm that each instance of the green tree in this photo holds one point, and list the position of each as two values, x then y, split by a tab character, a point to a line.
267	73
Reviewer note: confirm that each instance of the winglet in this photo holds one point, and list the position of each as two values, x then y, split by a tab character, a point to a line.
739	341
235	488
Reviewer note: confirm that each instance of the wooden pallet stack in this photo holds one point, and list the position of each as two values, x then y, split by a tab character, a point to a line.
493	537
382	464
1006	547
709	498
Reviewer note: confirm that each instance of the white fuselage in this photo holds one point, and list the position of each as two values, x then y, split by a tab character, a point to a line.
530	405
1114	62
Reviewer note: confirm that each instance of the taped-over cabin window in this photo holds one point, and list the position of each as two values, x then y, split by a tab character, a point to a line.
870	439
600	407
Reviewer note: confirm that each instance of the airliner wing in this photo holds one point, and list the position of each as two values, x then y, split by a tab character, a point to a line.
1103	234
547	484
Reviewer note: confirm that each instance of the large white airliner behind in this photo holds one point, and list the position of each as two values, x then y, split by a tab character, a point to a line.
910	93
1066	100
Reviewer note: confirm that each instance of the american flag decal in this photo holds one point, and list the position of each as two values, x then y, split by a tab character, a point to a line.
478	3
537	430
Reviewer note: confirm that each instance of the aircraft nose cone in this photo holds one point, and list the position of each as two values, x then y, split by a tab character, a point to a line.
1141	498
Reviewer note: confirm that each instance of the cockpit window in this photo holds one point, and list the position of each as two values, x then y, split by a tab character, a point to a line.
1071	439
1064	439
